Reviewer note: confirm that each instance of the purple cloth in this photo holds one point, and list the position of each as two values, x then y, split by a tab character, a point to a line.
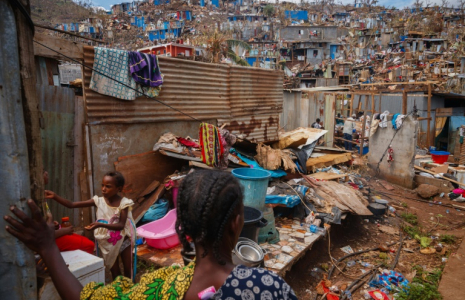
144	69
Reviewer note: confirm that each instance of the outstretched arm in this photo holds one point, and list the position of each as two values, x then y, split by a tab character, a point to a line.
115	226
67	203
39	235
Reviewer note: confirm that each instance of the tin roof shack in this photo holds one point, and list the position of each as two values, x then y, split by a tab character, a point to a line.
248	100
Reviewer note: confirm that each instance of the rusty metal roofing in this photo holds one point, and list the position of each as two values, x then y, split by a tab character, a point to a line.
248	99
255	91
198	89
259	128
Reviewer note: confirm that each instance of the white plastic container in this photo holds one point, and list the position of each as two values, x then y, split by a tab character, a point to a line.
460	174
84	266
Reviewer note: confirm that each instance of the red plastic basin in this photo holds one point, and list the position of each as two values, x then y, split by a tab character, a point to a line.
439	157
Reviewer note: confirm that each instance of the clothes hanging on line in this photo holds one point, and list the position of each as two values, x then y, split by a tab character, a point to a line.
114	64
383	119
145	69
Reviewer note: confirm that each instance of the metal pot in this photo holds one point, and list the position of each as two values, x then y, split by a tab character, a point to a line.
248	253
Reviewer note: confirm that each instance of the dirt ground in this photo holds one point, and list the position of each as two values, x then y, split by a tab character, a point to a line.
362	233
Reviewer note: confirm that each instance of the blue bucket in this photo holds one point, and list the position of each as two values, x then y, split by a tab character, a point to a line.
255	183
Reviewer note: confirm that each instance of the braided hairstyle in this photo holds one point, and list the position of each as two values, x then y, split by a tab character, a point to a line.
206	202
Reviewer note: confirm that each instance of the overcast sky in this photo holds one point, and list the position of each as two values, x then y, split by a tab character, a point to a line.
397	3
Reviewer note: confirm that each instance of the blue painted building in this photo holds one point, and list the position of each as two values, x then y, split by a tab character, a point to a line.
161	34
296	14
216	3
160	2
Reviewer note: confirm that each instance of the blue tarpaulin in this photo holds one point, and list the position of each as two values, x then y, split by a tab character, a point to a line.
296	14
255	165
287	200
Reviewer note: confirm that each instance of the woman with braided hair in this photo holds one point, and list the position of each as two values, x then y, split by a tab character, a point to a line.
210	211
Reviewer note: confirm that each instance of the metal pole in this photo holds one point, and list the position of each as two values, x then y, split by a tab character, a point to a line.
18	274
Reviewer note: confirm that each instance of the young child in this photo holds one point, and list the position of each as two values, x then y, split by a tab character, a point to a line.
114	229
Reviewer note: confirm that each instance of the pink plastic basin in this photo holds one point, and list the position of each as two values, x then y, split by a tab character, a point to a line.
161	234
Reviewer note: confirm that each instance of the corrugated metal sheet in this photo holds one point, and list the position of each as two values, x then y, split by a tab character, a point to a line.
18	275
257	128
255	91
247	99
198	89
57	108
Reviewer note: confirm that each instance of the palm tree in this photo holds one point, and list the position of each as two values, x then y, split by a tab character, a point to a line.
232	55
218	44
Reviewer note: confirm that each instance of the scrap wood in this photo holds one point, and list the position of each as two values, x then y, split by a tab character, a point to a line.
431	172
140	170
139	210
347	197
148	190
179	156
328	176
327	160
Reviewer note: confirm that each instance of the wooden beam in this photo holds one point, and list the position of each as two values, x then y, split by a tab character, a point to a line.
442	177
71	49
404	103
428	132
400	83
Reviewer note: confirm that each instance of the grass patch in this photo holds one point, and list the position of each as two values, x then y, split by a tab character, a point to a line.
404	204
412	231
410	218
423	287
448	239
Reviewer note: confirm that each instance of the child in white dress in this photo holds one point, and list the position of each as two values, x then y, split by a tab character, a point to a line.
114	230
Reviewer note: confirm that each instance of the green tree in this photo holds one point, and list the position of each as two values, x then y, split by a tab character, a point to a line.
268	10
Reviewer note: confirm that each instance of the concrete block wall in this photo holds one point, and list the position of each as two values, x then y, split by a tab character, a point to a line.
404	142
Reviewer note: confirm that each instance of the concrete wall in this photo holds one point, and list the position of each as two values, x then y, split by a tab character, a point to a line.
404	142
111	141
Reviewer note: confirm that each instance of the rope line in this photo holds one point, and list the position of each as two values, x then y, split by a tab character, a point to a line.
127	86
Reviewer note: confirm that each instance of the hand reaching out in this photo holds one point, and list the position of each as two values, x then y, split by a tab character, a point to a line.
36	233
93	226
50	194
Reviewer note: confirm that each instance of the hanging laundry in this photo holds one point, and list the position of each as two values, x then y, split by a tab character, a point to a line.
210	144
374	124
383	119
397	121
145	69
114	64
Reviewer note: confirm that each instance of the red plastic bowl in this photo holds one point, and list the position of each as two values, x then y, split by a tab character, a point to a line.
440	157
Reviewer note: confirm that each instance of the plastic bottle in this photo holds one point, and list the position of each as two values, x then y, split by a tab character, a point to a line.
317	230
366	265
65	222
392	209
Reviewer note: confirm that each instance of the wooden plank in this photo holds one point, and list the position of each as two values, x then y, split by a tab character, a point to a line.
328	176
69	48
430	172
428	132
142	169
140	208
204	166
180	156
